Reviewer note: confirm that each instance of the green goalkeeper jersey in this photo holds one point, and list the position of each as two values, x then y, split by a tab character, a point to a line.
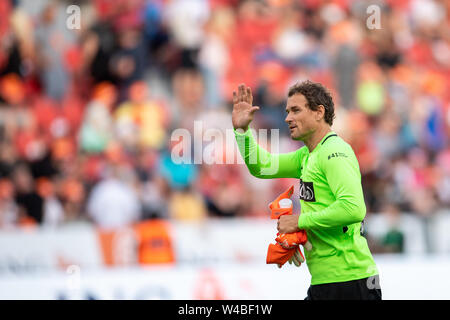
331	199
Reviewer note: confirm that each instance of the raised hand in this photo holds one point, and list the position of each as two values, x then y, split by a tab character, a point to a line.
243	110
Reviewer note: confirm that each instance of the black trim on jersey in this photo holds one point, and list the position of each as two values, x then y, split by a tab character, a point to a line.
331	135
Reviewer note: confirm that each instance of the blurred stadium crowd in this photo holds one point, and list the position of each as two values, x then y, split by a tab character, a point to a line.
86	115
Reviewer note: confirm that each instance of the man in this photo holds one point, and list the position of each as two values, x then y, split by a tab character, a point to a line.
331	196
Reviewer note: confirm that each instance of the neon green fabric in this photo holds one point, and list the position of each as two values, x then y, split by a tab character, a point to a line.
331	199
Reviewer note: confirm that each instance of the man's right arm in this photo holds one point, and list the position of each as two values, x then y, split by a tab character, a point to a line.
262	164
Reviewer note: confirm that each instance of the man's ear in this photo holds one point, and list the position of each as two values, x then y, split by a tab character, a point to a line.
320	114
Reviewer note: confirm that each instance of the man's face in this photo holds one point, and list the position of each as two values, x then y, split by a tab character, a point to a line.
300	119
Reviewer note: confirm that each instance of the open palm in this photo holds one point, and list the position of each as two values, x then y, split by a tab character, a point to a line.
243	110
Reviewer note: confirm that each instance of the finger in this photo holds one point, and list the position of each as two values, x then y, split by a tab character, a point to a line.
308	246
235	98
244	94
241	94
253	109
299	255
296	262
249	95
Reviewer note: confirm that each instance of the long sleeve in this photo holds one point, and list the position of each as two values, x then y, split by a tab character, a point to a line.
265	165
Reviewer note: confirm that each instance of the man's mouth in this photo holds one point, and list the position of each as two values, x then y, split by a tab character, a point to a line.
292	127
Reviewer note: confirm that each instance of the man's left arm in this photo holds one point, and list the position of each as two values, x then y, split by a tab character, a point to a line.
341	170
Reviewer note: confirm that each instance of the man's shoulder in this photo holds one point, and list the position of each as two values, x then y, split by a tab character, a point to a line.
336	147
302	149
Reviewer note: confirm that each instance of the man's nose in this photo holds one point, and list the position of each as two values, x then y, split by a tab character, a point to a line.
287	119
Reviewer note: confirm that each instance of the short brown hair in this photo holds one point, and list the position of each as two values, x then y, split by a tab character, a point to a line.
316	94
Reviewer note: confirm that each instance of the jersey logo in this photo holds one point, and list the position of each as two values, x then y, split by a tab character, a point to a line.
337	154
307	191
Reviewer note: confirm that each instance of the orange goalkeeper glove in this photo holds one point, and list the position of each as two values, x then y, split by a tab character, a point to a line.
287	245
291	240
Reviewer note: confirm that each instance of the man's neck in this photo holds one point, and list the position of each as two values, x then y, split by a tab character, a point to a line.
313	140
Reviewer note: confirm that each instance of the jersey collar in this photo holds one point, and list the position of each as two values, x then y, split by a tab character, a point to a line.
325	138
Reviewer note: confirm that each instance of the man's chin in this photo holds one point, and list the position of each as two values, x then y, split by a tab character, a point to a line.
296	136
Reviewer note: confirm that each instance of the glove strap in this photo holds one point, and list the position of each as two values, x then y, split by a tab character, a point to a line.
274	206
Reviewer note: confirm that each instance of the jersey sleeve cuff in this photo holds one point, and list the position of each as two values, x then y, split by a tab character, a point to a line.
239	132
300	222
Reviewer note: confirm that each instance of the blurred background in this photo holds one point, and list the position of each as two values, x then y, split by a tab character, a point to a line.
92	205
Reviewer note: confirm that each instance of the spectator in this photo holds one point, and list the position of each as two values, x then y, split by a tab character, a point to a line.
9	211
113	203
186	205
53	40
393	240
31	204
185	20
141	121
128	62
178	175
96	129
53	213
